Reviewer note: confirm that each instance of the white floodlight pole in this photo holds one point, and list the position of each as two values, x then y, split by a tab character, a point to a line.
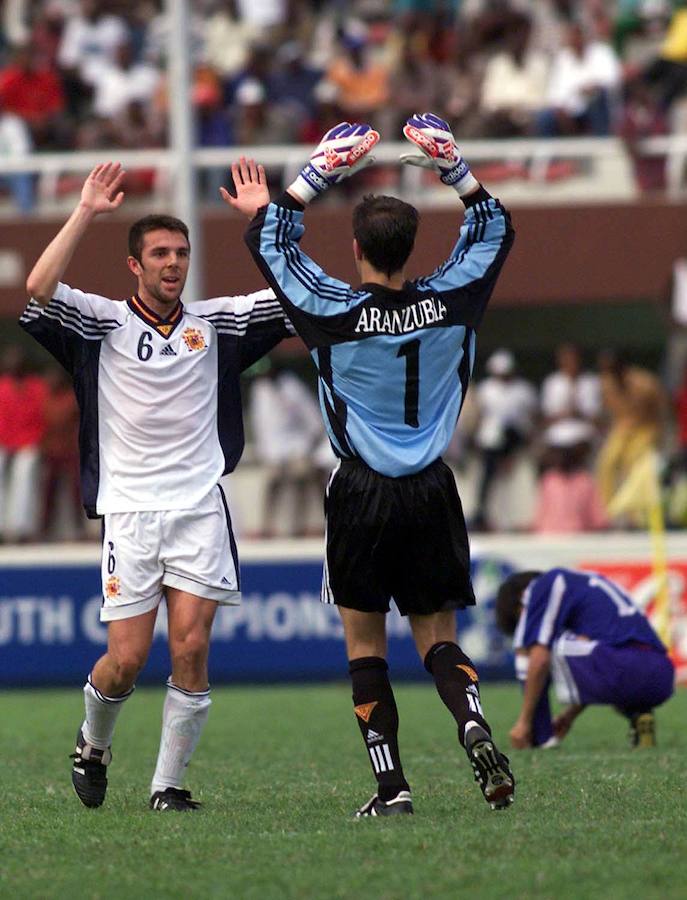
181	137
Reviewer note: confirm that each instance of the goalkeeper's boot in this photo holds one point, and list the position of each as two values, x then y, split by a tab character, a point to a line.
400	805
174	799
643	730
491	768
89	772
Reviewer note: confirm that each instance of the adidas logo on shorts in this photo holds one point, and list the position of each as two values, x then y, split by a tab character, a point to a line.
168	350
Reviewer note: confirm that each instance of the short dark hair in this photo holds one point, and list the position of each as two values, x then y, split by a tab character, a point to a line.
509	600
385	230
153	223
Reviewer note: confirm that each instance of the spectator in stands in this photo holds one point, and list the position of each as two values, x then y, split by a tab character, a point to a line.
669	70
15	140
156	38
642	116
90	39
635	402
269	16
292	91
675	361
228	39
507	407
22	425
252	119
514	84
214	126
287	429
584	81
463	84
118	82
675	478
33	91
568	498
415	81
362	81
569	392
60	454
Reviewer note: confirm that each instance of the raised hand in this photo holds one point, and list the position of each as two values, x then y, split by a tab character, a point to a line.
342	151
251	188
433	137
100	192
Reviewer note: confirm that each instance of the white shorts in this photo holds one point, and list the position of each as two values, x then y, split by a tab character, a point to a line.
190	549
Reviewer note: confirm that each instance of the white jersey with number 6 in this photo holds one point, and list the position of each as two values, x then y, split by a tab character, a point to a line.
160	398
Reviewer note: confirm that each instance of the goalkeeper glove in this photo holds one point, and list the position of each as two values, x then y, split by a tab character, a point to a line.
433	137
342	151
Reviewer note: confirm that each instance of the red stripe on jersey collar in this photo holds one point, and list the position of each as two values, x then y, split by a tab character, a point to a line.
164	326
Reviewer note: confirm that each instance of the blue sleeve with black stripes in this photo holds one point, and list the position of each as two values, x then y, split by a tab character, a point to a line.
394	365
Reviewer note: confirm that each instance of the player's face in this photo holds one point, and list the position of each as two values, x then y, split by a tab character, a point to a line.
163	267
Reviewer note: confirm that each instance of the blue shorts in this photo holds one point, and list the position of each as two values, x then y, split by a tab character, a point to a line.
632	677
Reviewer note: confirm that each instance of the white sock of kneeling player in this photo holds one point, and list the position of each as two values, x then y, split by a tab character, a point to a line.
101	715
183	719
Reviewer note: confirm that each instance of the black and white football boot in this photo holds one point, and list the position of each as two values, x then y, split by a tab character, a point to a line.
89	772
491	768
402	804
174	799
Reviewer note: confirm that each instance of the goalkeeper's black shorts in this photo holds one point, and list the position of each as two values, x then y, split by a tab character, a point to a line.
402	538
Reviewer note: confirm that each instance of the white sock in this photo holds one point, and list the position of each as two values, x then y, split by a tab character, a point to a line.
101	715
183	719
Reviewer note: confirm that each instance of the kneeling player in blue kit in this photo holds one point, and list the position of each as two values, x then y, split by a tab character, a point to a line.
584	633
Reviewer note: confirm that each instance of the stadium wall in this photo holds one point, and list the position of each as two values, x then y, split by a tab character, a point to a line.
50	598
564	254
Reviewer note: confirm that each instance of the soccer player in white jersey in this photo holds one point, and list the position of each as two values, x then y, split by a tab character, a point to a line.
158	388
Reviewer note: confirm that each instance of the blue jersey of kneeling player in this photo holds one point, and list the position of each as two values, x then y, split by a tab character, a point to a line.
584	603
393	365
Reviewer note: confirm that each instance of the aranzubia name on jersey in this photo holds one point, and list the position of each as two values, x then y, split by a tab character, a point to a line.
374	320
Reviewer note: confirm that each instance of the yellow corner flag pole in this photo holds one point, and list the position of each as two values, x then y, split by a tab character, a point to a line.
657	533
641	492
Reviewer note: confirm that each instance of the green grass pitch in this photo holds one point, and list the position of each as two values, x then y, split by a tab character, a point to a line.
280	770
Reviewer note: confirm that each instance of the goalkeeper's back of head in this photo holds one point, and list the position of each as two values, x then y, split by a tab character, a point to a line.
384	229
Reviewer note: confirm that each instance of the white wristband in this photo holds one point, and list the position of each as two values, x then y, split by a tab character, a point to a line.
302	190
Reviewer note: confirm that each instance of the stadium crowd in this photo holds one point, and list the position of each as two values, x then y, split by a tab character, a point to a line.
90	74
580	435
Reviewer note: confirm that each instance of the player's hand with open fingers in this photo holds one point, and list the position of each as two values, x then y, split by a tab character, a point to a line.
343	150
101	191
432	136
250	184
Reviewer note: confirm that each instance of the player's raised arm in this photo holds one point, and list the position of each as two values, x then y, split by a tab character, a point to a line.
250	185
344	150
100	194
437	148
466	280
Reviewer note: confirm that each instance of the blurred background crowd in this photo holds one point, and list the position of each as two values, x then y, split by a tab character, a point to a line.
550	455
91	74
552	458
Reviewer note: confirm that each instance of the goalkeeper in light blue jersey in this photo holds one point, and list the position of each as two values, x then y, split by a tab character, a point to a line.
394	358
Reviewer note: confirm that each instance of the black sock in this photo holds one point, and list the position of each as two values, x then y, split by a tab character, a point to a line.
377	717
457	684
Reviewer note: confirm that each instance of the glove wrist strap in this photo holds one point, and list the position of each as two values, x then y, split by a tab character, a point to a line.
461	179
309	183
